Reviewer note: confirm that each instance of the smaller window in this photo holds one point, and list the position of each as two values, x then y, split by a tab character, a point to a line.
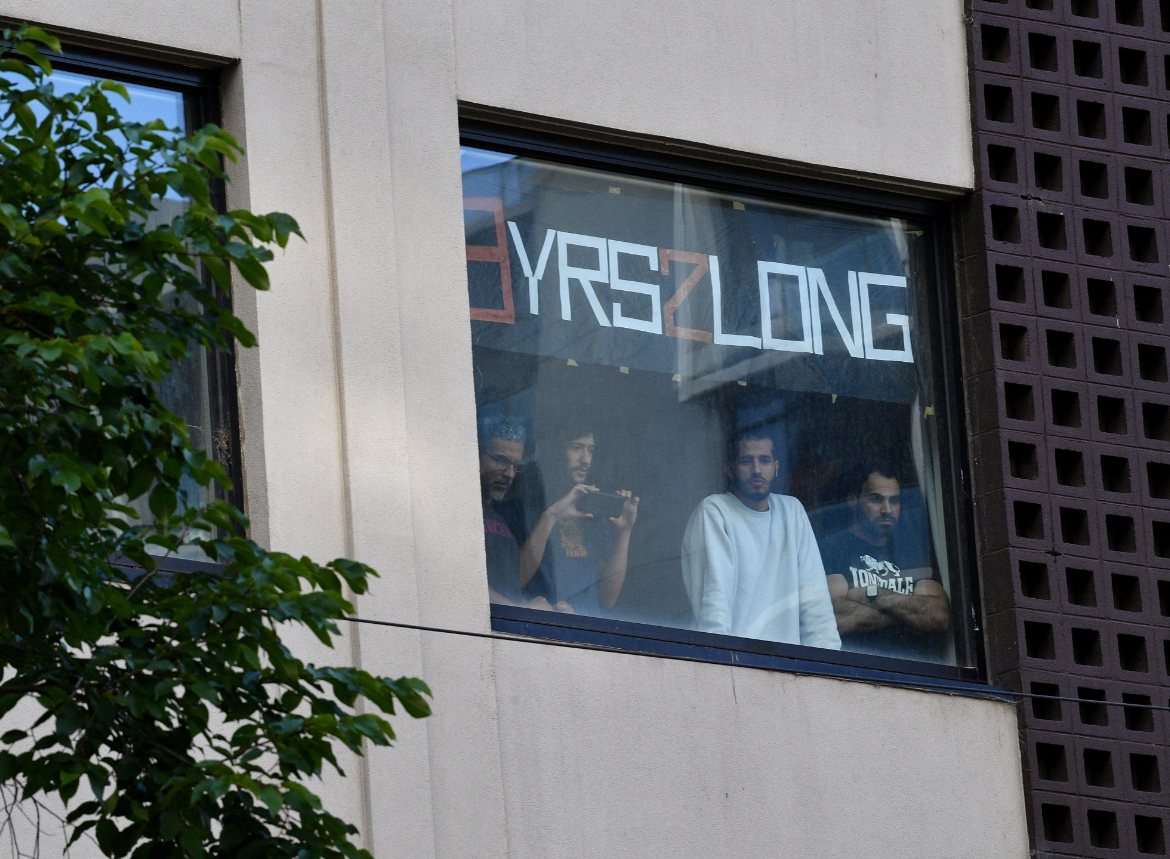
201	387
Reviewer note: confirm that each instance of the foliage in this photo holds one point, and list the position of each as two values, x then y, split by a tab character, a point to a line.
169	716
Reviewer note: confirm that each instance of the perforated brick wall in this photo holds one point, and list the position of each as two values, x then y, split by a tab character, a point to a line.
1064	253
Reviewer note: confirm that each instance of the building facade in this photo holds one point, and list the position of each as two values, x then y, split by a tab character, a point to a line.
958	214
1067	403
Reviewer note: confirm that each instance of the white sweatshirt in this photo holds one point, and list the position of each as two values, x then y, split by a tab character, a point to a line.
757	575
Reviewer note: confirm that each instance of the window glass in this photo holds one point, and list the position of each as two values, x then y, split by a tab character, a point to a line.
187	389
146	103
711	411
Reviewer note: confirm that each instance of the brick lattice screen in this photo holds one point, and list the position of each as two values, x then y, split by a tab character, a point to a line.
1064	252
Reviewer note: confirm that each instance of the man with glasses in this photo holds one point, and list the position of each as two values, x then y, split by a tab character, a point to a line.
581	556
501	457
886	594
749	558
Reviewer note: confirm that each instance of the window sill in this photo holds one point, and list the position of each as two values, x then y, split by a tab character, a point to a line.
693	646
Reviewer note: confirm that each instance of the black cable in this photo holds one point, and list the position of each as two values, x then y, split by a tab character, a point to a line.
1089	701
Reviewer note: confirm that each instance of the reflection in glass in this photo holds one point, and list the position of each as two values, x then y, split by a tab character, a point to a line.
709	411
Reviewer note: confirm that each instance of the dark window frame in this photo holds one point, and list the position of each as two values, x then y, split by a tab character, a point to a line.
200	88
656	161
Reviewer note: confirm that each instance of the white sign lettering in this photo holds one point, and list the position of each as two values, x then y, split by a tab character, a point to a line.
586	276
722	339
766	269
776	280
653	325
526	266
865	280
850	335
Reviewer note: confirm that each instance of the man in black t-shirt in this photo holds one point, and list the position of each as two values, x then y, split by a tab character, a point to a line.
886	595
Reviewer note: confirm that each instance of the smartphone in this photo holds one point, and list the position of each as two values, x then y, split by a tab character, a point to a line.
601	504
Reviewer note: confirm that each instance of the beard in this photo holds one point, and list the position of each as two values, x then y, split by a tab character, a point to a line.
881	528
494	490
752	494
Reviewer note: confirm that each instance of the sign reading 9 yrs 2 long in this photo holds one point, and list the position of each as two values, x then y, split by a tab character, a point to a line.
547	288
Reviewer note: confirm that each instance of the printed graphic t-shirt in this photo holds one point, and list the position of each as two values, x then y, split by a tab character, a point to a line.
574	560
897	567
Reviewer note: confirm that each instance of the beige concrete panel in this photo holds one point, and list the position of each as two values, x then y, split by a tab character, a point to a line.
398	799
396	808
446	552
875	88
616	755
361	215
466	773
294	321
462	744
399	796
210	27
289	385
431	280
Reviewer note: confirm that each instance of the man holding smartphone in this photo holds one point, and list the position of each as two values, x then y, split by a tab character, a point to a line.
581	555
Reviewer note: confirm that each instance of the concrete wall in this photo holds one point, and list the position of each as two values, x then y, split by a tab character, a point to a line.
629	756
359	417
873	88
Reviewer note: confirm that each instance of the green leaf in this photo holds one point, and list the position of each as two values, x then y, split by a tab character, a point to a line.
250	656
114	86
272	798
36	34
9	765
31	51
253	272
191	840
164	500
98	780
68	479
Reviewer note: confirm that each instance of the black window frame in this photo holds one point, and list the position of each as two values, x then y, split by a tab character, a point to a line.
657	160
201	90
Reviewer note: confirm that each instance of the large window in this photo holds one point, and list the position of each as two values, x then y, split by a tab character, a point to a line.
713	410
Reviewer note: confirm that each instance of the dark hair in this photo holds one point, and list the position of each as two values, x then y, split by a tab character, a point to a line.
859	476
498	426
756	434
566	428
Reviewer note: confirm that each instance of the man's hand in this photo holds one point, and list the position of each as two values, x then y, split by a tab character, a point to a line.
859	595
629	516
566	508
533	549
927	609
854	610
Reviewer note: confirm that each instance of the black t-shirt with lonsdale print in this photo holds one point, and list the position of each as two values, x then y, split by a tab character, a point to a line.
896	566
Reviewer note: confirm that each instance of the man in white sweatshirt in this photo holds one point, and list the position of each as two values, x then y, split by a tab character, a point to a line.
750	561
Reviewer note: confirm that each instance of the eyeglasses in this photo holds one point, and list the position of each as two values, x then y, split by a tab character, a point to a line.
503	463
